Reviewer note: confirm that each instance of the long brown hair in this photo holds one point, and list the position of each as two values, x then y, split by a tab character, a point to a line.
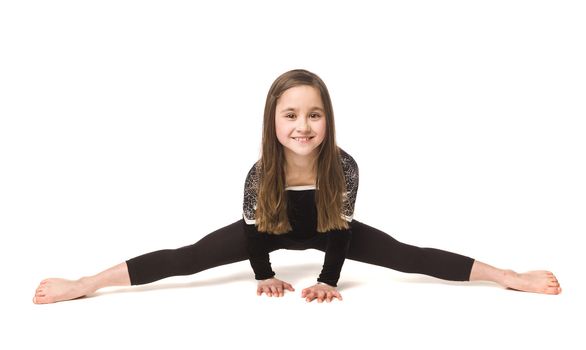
271	212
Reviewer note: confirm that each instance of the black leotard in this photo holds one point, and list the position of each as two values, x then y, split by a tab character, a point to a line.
302	214
239	241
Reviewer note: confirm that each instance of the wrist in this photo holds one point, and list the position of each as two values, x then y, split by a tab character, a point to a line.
325	284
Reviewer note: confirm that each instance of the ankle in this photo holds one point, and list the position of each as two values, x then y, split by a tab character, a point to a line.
87	285
508	277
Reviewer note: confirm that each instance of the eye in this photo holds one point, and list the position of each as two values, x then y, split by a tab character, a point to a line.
316	115
289	115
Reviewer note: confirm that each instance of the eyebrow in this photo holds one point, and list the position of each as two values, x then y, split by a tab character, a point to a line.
293	109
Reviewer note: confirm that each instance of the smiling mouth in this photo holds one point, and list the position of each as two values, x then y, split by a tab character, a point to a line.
302	139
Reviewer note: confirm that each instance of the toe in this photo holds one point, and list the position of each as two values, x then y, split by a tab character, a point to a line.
44	300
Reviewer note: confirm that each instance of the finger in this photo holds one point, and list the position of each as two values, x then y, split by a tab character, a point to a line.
280	291
274	290
289	287
322	296
267	291
310	296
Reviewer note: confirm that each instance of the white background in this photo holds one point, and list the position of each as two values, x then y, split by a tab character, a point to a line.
129	126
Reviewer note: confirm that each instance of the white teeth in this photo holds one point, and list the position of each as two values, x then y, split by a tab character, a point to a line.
302	139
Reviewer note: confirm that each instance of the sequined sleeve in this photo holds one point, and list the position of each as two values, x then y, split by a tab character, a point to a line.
350	168
250	194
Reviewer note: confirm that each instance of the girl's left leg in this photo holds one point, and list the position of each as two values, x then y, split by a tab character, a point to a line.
532	281
376	247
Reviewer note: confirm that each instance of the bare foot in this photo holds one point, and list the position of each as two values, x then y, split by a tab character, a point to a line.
533	281
52	290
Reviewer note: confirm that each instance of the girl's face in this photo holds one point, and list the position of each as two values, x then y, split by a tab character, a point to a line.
300	114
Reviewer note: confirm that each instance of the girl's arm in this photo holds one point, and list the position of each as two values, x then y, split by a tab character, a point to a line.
258	253
338	242
256	242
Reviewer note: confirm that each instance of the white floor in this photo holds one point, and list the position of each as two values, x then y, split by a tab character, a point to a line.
381	308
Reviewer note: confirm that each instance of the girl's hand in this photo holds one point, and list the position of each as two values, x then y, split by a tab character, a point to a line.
273	286
321	292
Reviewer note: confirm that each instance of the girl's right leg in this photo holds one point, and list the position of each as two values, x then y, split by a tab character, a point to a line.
51	290
223	246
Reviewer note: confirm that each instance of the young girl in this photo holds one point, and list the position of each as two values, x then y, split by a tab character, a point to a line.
300	194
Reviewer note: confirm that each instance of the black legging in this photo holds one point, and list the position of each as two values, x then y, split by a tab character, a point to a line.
228	245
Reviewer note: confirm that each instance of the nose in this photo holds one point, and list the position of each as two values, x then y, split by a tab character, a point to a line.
303	125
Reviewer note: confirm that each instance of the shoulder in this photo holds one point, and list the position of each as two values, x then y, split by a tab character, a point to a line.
348	162
254	169
250	193
252	177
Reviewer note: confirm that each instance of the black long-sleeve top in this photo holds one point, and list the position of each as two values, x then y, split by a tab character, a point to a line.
302	214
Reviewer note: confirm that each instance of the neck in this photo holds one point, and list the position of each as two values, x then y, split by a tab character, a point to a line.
299	164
